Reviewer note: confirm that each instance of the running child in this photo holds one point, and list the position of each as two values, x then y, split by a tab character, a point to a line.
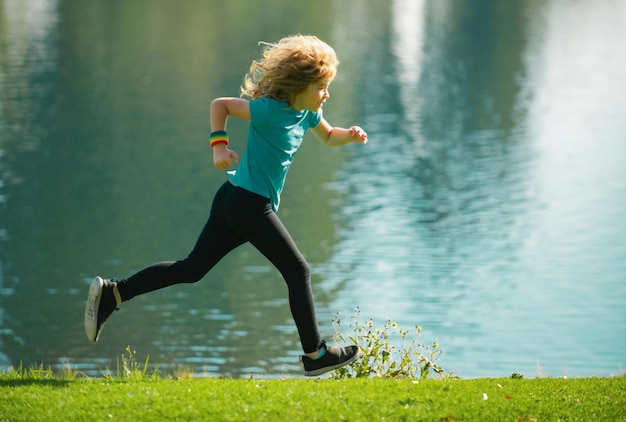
287	88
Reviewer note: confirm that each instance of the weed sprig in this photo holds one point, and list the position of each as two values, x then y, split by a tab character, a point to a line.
380	355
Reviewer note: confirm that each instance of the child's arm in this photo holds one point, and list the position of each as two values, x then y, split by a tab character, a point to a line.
221	108
337	136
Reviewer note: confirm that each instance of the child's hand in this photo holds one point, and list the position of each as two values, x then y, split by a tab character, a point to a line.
223	157
358	135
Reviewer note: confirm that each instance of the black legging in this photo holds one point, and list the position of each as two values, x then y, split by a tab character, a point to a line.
239	216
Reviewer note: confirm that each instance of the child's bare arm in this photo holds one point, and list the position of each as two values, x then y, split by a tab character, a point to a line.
337	136
221	109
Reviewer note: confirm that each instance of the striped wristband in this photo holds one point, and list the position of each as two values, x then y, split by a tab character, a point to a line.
218	137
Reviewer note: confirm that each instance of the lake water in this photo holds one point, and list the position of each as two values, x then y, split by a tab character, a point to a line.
488	206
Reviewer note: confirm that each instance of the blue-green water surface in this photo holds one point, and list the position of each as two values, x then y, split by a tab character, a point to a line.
488	206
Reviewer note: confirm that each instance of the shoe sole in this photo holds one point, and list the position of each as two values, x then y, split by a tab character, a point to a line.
325	369
91	309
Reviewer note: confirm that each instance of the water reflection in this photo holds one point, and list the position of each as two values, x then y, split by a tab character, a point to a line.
454	227
487	206
468	233
28	56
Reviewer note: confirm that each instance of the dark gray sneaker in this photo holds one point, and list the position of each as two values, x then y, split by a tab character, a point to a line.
101	303
335	357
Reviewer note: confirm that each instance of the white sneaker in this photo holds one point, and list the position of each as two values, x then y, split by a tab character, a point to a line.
101	302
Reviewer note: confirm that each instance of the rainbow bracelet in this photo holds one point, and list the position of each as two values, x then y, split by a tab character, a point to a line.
218	137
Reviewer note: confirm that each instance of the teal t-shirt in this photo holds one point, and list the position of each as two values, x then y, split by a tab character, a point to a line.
274	136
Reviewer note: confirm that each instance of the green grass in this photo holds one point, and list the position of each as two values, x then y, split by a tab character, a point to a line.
387	383
39	396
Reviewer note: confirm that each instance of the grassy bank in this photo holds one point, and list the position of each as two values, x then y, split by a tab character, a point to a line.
155	398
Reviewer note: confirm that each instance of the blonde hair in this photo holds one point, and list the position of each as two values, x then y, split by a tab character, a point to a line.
288	67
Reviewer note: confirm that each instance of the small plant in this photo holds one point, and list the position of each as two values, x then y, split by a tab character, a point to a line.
39	373
130	367
34	373
380	357
67	372
517	376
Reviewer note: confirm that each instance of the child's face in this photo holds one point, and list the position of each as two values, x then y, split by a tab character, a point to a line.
313	97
